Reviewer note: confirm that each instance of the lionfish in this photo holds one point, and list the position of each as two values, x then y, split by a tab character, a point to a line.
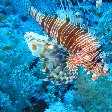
72	47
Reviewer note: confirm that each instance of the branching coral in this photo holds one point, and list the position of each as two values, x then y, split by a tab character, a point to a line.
105	23
43	6
5	103
21	6
53	107
95	95
20	89
26	83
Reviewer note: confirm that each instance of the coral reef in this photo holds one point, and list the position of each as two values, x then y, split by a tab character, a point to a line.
22	88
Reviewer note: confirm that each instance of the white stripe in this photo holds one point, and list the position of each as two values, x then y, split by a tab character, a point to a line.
83	36
81	42
90	47
53	28
58	28
73	36
59	24
63	32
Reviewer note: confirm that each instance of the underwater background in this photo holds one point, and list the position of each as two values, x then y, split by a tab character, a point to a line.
21	86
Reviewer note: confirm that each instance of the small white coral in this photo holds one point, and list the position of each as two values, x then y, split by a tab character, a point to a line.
98	3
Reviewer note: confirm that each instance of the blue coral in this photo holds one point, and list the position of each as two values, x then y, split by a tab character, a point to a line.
21	84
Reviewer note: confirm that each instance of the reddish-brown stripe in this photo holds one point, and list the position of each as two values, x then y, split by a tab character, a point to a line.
56	25
43	20
35	16
50	26
64	34
60	30
46	24
70	35
78	46
82	40
75	44
73	38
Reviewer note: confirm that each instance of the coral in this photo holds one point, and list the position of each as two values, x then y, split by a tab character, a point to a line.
21	86
95	95
16	79
72	98
43	6
53	107
21	6
5	103
26	83
2	17
69	96
106	28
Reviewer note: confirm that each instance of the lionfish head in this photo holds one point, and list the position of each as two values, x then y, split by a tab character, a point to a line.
35	42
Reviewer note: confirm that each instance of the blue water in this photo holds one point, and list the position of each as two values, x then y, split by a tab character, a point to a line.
21	86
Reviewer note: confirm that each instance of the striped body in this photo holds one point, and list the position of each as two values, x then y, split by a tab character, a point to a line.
82	48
